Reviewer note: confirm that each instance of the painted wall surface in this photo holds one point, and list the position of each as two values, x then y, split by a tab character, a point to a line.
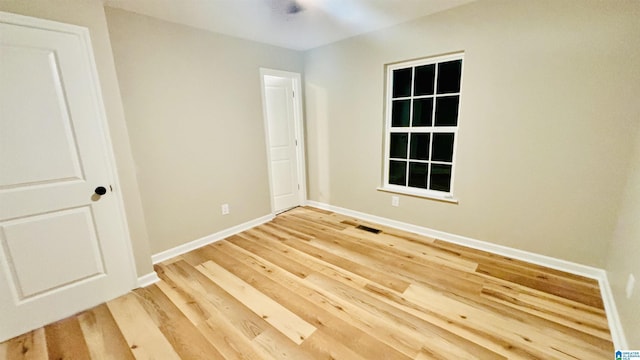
624	255
549	109
194	112
90	14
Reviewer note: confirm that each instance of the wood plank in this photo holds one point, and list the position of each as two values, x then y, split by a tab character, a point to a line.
543	345
321	345
549	284
290	324
371	272
496	344
297	228
398	264
227	338
255	244
324	220
65	340
284	232
430	339
411	249
488	258
318	210
563	313
300	261
184	337
210	299
142	335
29	346
278	346
104	339
297	258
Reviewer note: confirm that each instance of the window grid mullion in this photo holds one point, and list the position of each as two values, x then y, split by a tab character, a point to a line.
425	129
413	78
428	96
433	122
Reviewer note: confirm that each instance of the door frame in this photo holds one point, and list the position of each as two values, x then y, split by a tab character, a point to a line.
298	121
102	123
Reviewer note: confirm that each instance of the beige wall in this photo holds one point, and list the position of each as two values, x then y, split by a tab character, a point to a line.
194	112
547	119
90	14
624	254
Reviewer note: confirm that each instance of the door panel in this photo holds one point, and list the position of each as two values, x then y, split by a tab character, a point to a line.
63	248
55	157
44	240
282	184
282	142
278	113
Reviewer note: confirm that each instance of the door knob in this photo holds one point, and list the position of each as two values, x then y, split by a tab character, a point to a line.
100	190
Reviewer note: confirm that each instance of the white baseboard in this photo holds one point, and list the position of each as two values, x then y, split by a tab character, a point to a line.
195	244
613	319
148	279
615	326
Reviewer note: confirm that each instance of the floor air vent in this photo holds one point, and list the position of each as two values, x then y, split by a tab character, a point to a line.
369	229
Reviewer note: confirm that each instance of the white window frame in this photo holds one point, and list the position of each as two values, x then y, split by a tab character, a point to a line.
407	190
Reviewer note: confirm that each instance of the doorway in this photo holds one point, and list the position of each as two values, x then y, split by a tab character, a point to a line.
284	137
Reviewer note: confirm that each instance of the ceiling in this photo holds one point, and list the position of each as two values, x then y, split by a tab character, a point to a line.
276	22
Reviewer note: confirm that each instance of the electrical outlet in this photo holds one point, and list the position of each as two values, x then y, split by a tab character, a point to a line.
395	201
631	282
225	209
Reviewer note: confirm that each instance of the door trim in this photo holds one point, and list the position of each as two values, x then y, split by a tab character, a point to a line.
110	163
299	132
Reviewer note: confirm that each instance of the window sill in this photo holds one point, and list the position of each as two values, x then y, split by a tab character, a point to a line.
420	194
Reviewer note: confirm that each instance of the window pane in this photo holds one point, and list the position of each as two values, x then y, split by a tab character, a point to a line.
420	146
400	113
440	177
402	82
424	82
398	172
449	76
398	146
422	110
442	147
447	111
418	175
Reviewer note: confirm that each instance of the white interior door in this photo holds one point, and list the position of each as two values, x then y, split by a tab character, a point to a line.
282	142
63	248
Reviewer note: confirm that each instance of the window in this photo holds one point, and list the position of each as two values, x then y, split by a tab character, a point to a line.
423	98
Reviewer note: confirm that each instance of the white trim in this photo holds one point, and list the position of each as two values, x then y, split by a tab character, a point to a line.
298	118
405	190
615	326
148	279
195	244
111	159
85	37
38	23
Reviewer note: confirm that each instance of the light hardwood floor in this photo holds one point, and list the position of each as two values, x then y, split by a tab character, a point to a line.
311	285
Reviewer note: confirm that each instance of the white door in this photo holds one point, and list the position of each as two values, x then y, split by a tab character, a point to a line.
282	142
63	248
